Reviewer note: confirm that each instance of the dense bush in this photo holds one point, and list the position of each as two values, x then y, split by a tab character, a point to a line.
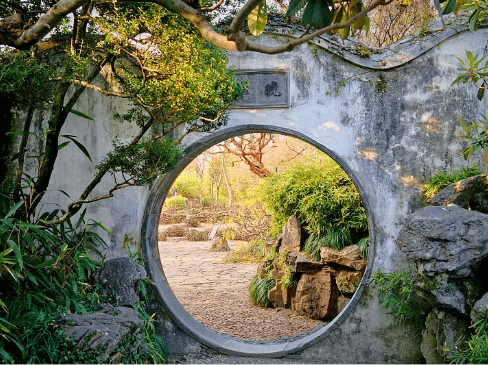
323	197
187	185
175	202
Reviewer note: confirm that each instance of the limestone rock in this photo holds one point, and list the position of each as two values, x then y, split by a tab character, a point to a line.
464	193
348	281
260	270
288	295
342	301
292	235
301	263
445	239
479	309
220	244
448	245
275	296
447	330
104	329
348	256
269	244
316	296
118	277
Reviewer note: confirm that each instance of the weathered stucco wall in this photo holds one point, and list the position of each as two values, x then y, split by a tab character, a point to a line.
389	120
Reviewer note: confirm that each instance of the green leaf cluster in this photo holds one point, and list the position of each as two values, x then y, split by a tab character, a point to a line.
475	71
143	162
24	80
188	185
442	179
395	292
475	349
322	13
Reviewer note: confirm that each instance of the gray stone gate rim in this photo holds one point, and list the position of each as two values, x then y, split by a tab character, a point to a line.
218	341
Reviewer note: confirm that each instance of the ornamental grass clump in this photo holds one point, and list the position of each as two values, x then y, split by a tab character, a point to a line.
258	291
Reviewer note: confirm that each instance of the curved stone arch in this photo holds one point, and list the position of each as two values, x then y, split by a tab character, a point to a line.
221	342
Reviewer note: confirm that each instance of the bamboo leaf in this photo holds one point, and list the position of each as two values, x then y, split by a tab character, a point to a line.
62	145
14	209
79	145
80	114
17	253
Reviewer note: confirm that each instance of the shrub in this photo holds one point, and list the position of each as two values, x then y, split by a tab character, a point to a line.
187	185
442	179
246	253
206	201
321	195
175	202
258	291
363	247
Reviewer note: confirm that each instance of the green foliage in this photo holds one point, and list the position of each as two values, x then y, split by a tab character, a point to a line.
476	134
175	202
23	80
442	179
143	162
187	185
287	279
320	14
321	195
363	247
475	349
189	78
474	70
206	201
395	293
258	291
334	238
246	253
44	273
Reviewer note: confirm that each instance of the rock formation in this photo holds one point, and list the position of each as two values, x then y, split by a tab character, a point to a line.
315	289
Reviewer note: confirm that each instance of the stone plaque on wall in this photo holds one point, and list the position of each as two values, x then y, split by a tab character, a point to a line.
266	89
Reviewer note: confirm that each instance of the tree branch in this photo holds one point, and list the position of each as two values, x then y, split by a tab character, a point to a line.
211	8
46	23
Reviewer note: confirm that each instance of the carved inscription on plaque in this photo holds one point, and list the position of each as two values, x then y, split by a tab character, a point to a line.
266	89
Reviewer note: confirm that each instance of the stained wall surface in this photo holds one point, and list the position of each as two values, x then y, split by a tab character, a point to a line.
390	121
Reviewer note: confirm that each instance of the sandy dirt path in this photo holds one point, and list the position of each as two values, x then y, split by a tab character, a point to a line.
215	293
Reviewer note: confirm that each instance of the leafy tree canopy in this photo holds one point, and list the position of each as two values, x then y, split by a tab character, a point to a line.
173	78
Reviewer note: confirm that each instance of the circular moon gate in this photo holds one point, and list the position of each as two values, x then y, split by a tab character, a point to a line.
219	341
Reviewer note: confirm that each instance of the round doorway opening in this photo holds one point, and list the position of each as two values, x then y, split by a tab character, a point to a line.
258	242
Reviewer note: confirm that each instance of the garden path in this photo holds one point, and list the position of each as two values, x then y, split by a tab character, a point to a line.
215	293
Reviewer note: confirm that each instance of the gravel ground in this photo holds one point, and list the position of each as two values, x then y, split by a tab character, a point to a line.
215	294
